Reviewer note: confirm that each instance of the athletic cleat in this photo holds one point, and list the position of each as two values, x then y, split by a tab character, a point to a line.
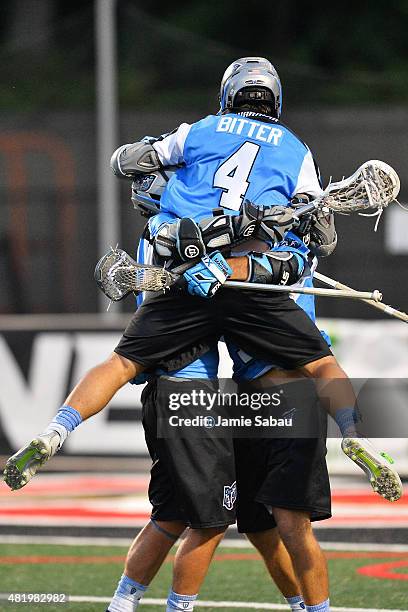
383	478
24	464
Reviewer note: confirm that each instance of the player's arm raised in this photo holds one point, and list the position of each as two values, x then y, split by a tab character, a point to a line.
150	154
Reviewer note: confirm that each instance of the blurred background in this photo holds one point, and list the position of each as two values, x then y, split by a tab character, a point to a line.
79	78
345	92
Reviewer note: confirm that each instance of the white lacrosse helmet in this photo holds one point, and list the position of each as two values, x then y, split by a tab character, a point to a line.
251	79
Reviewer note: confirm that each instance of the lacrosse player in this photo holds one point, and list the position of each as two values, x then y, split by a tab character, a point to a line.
292	461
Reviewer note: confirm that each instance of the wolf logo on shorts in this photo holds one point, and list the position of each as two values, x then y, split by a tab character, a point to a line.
230	496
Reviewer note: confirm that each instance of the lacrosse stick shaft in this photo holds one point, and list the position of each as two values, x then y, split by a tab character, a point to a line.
307	208
385	308
336	293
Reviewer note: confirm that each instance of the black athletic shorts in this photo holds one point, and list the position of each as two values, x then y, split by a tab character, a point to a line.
286	473
192	479
267	326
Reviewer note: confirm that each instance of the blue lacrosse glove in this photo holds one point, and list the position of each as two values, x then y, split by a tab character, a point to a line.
206	277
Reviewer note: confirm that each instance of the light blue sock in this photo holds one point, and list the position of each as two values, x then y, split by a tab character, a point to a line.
296	603
346	419
321	607
127	595
65	421
175	601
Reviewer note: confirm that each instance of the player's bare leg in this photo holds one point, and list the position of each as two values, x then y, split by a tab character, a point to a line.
336	393
191	565
150	548
278	563
332	384
89	397
146	555
100	384
307	557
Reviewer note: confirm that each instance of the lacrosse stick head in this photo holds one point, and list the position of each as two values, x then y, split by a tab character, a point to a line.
372	187
117	274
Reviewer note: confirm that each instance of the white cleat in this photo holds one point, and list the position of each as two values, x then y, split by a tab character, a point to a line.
384	479
25	463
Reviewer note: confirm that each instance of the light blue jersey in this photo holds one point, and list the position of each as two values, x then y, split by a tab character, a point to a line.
229	158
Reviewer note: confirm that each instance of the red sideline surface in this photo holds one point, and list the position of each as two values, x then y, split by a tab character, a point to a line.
116	499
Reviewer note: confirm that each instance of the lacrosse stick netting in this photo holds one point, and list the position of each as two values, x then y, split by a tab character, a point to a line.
372	187
117	274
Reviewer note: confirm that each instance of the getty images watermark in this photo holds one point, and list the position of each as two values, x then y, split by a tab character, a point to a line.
210	399
224	401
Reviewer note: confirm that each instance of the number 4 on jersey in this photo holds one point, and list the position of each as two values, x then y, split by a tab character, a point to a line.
232	176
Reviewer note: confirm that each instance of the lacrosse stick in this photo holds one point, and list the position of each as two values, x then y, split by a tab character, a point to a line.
385	308
117	274
372	187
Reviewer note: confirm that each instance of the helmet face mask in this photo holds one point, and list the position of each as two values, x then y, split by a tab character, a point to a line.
247	76
147	190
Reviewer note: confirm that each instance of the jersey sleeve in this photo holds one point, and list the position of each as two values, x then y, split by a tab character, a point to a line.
170	148
158	220
309	178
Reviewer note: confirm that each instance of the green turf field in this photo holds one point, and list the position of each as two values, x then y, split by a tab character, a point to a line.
234	576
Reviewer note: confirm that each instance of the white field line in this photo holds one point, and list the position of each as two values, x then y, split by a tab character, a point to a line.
233	543
213	604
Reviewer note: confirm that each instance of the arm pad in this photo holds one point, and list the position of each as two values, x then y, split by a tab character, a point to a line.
132	159
269	224
275	267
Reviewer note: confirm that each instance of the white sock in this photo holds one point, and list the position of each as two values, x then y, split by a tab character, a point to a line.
296	603
321	607
175	601
127	595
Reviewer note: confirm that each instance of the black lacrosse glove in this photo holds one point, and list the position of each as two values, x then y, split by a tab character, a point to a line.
323	236
248	222
276	222
180	240
316	228
266	223
190	244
